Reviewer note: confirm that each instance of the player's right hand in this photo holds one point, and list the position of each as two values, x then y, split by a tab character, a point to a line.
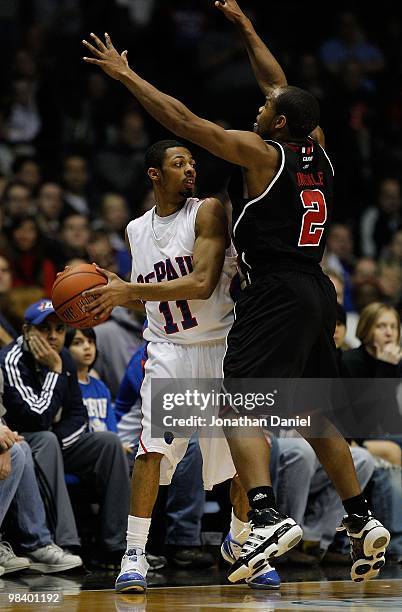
230	9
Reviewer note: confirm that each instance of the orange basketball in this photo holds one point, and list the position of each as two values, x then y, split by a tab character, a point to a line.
66	294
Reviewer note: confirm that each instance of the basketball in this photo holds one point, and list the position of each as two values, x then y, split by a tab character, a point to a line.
67	295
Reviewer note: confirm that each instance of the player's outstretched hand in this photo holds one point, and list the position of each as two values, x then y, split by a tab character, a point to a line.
106	297
106	56
230	9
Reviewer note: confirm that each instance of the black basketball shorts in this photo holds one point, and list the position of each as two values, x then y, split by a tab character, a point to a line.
284	326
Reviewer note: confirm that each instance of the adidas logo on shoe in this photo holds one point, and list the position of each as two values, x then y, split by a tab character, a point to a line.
259	496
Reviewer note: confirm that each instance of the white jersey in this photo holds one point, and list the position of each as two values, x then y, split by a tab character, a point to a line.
169	255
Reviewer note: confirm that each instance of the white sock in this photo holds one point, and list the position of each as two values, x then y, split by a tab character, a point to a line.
137	532
239	530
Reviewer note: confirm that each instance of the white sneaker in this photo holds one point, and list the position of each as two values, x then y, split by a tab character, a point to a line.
1	570
133	573
368	542
51	559
9	560
272	534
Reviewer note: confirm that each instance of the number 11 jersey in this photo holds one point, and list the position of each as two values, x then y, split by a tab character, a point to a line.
167	254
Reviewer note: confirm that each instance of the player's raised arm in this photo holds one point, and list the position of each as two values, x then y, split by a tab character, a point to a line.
267	70
242	148
212	238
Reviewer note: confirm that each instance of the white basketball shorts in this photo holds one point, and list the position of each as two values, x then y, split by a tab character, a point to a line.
168	360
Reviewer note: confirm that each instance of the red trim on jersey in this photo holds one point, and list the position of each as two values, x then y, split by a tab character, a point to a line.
143	447
297	148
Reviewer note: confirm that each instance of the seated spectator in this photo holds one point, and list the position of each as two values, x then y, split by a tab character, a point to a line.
390	282
348	44
393	251
74	236
338	282
340	258
76	184
100	250
340	330
379	222
44	401
50	206
378	356
96	396
365	290
27	170
119	167
114	218
31	267
19	489
7	331
17	200
23	122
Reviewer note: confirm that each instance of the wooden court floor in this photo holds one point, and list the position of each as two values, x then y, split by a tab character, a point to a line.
336	596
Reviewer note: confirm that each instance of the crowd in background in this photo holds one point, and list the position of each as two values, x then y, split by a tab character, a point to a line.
72	141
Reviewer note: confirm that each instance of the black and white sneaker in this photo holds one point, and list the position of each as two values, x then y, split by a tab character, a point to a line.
272	535
368	542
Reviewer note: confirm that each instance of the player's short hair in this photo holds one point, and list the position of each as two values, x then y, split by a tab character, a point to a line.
300	108
368	319
155	154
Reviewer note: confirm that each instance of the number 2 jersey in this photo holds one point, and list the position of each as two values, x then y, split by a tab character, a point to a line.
167	254
286	226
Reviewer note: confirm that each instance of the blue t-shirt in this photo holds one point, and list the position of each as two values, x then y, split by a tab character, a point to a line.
98	402
130	386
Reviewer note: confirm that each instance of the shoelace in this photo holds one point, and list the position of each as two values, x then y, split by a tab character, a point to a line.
6	551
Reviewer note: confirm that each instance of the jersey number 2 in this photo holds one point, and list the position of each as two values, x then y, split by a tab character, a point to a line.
314	218
188	321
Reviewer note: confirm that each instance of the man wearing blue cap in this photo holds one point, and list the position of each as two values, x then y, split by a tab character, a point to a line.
44	401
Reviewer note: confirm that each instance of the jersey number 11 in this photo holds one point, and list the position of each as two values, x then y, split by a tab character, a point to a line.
187	322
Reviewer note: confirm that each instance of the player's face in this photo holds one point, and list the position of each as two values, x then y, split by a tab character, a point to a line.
83	350
385	329
264	123
178	172
53	331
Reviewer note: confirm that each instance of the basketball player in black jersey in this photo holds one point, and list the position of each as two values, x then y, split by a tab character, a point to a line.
280	224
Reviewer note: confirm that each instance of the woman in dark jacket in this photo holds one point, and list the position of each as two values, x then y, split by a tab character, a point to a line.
378	357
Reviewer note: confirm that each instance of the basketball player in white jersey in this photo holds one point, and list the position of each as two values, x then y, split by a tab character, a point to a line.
183	266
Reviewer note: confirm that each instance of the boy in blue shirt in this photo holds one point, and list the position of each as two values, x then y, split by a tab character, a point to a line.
95	394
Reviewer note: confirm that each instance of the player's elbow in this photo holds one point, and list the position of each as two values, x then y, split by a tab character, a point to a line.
204	289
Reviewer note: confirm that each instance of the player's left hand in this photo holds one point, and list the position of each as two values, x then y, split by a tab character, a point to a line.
106	57
106	297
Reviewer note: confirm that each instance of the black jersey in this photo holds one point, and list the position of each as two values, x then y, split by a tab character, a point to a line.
286	226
